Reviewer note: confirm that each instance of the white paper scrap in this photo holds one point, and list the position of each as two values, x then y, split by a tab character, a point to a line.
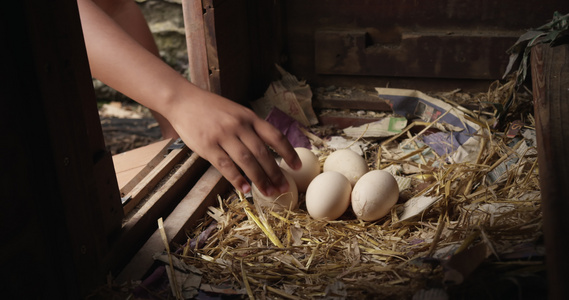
417	205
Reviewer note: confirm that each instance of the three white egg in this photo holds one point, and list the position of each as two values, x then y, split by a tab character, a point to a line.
345	180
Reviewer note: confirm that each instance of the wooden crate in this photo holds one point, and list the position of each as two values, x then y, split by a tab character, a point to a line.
62	212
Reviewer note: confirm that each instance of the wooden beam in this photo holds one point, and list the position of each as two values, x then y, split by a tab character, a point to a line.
132	166
550	76
152	178
58	189
417	54
196	43
192	208
141	223
356	99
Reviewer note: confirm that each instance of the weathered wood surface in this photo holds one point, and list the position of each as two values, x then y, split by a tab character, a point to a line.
388	23
60	200
142	188
141	223
417	54
133	165
192	207
196	43
550	77
240	41
357	99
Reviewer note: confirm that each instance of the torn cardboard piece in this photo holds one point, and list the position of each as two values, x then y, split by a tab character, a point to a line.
291	96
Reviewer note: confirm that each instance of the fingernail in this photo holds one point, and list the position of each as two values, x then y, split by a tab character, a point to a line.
297	164
283	187
270	190
245	188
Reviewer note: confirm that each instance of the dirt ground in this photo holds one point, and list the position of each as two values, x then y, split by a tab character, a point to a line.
127	126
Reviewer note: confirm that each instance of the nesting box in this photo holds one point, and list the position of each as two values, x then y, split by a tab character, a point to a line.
233	49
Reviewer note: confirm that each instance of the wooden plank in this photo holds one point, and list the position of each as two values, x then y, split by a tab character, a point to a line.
341	122
151	180
107	189
53	207
356	99
209	34
550	78
140	224
186	214
385	21
196	43
417	54
132	166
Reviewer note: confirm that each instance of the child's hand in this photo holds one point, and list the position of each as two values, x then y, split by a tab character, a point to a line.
232	137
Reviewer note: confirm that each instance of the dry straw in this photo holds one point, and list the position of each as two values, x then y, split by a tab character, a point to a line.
289	255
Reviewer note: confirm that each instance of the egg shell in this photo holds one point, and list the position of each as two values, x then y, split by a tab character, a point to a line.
348	163
328	196
374	195
310	168
278	202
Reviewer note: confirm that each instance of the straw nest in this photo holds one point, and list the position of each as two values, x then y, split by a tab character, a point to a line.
289	255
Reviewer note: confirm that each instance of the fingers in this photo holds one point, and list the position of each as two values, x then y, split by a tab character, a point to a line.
274	138
225	165
253	157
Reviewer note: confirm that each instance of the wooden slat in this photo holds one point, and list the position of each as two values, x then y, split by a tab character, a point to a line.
385	21
186	214
341	122
140	224
417	54
196	42
209	34
357	99
132	166
151	180
550	76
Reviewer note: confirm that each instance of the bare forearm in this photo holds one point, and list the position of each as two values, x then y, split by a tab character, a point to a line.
221	131
122	63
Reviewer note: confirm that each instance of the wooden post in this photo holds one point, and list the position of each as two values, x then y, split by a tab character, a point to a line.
59	198
550	76
234	45
196	42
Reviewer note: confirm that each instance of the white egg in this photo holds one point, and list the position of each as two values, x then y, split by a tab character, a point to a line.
310	168
278	202
348	163
328	196
374	195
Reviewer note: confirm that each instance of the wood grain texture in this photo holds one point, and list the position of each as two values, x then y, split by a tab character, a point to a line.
196	43
550	77
417	54
59	194
140	224
133	165
192	207
388	22
152	178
